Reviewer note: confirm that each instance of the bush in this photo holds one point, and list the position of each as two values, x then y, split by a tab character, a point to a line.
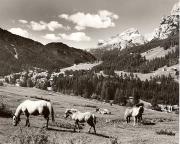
4	110
165	132
1	83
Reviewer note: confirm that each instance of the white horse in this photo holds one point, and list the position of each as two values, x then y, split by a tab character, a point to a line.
29	107
80	117
135	112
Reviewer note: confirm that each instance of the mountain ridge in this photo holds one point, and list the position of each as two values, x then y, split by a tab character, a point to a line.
17	53
169	26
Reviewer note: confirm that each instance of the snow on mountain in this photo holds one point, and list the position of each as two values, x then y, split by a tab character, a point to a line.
128	38
169	25
176	9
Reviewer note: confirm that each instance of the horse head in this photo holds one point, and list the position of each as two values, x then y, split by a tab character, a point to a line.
141	109
16	120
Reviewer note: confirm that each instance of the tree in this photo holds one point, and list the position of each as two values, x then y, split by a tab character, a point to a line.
136	97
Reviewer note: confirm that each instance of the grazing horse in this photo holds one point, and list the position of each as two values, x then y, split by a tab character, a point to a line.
80	117
29	107
135	112
103	111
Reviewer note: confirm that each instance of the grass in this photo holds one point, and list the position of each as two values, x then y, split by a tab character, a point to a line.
63	124
148	122
85	105
61	132
113	140
40	98
30	137
165	132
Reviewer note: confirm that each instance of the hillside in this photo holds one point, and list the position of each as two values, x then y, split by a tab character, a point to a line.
144	59
17	53
61	53
108	126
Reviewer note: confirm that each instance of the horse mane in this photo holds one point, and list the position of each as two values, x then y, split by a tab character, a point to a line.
18	111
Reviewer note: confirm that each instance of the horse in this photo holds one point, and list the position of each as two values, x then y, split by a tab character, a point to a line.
29	107
103	111
80	117
135	112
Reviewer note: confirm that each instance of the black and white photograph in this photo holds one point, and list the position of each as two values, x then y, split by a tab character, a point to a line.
89	71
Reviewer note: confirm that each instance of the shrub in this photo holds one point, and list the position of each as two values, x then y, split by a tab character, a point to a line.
165	132
1	83
4	110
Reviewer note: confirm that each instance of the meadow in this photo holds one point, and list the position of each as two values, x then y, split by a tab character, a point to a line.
157	127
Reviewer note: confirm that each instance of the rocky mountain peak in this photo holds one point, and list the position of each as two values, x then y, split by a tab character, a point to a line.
128	38
169	25
176	9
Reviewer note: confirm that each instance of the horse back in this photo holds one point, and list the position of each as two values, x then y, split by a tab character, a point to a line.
128	112
37	107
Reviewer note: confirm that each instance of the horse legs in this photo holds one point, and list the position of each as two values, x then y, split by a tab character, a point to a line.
78	127
134	121
27	122
89	129
27	118
47	122
94	129
76	123
128	119
91	123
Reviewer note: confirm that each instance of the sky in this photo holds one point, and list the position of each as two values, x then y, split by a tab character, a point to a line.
80	23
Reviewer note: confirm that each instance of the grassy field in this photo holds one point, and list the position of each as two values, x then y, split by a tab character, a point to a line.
111	129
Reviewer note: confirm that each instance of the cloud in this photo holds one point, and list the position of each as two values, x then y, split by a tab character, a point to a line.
54	25
19	31
103	19
52	37
77	36
38	26
23	21
51	26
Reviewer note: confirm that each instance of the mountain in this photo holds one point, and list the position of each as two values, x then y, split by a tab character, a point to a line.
169	25
128	38
17	53
61	53
168	29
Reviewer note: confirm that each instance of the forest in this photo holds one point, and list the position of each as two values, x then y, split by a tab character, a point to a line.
131	60
118	88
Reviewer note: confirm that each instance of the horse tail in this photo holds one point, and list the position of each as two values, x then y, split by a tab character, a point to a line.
94	119
125	115
52	114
